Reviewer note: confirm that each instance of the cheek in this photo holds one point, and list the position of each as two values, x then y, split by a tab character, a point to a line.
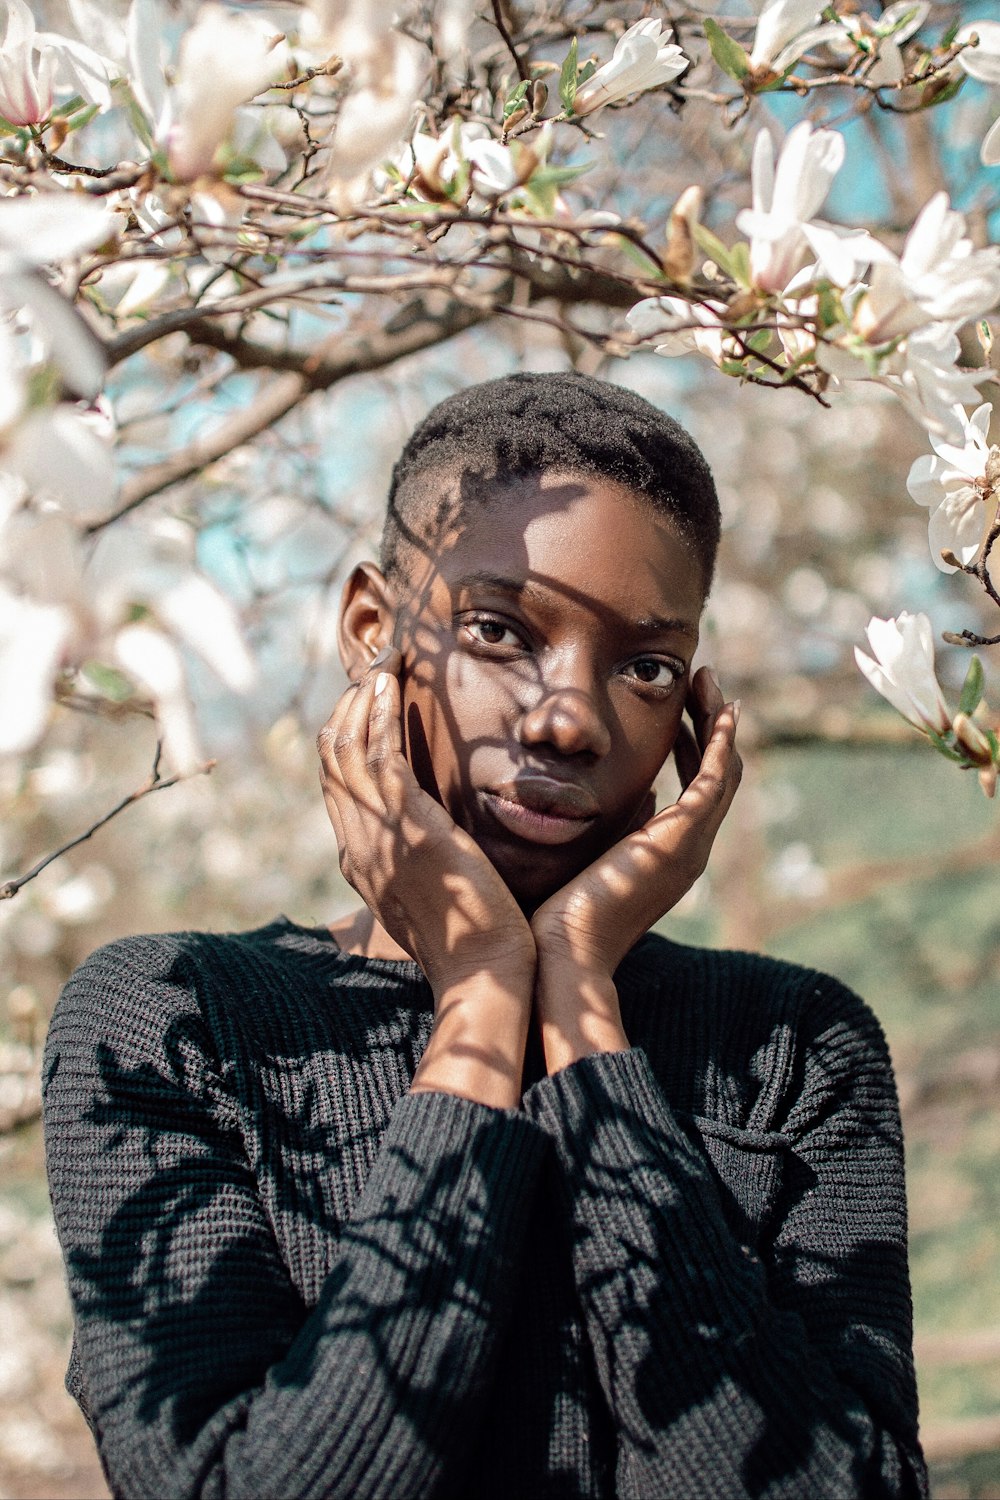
445	709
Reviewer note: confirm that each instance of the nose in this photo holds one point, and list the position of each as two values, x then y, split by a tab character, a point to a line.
569	720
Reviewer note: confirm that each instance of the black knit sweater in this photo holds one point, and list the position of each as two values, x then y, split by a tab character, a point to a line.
678	1271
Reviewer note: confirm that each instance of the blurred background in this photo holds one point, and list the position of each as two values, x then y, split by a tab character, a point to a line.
851	846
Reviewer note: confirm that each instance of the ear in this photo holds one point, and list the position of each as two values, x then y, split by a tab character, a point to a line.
367	619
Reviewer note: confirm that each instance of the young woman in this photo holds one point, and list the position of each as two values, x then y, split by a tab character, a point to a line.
485	1190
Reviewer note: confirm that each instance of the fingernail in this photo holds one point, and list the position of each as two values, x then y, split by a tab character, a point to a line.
381	683
380	657
737	705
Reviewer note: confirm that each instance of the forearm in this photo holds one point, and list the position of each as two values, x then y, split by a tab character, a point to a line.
578	1012
716	1386
476	1049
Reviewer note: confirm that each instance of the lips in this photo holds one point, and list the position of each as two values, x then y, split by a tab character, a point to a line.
542	809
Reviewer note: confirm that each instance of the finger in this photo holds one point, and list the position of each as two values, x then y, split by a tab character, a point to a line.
704	704
709	795
351	741
687	756
385	761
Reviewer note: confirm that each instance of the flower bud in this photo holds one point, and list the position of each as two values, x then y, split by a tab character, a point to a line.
681	252
539	96
971	739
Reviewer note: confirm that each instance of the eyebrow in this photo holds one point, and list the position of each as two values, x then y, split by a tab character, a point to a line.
525	588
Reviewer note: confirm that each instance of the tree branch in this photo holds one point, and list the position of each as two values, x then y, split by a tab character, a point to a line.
153	783
334	360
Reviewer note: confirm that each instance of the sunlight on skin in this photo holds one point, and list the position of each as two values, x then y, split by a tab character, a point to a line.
511	848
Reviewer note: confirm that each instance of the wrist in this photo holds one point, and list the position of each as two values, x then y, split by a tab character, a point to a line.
477	1045
578	1012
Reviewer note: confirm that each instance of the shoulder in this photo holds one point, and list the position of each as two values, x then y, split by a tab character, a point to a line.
770	989
141	994
738	1025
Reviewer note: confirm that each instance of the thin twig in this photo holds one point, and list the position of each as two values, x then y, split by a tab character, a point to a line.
508	40
153	783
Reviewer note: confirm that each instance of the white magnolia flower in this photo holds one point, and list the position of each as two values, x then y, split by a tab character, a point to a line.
33	637
939	278
903	669
884	35
26	82
785	198
641	60
683	327
34	63
785	30
955	484
153	661
60	607
377	112
225	59
983	62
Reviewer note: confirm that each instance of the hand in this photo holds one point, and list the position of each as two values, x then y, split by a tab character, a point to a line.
434	892
584	930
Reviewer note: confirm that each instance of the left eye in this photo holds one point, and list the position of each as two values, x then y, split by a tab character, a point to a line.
652	671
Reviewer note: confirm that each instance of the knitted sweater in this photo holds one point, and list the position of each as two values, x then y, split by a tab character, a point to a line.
677	1271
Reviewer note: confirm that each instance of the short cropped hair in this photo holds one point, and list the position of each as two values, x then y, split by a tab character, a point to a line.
486	436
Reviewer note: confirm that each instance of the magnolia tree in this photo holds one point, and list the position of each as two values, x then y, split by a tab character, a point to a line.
210	214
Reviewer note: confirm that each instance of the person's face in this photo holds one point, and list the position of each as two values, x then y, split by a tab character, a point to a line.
547	646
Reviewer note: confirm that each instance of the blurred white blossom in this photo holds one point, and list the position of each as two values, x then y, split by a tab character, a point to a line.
34	64
982	61
642	59
224	60
955	484
882	37
903	669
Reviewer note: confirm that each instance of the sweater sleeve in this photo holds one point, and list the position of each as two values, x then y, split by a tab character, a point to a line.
726	1373
204	1372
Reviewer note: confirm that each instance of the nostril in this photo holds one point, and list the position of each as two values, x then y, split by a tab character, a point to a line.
569	721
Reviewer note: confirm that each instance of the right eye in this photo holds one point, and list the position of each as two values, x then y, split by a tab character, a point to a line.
487	630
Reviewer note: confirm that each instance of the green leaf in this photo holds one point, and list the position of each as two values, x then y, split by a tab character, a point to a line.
82	117
515	99
972	688
727	53
569	77
759	341
934	96
899	22
559	175
108	681
951	33
6	128
713	248
636	254
944	749
739	263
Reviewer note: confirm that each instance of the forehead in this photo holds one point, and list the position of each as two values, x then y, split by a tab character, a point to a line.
581	539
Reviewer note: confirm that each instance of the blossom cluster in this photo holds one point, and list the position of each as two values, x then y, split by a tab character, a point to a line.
359	116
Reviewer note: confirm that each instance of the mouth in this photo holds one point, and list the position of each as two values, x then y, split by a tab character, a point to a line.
541	809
